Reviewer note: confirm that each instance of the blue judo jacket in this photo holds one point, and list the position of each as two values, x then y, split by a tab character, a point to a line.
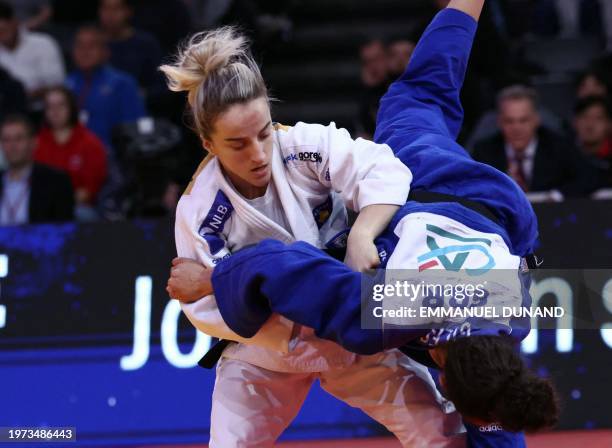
419	118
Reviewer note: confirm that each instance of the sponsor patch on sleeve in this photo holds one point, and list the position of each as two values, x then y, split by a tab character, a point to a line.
303	156
215	220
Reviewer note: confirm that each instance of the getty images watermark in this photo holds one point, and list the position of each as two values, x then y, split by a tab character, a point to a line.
543	298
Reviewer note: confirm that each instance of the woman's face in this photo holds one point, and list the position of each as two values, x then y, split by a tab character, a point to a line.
242	141
57	111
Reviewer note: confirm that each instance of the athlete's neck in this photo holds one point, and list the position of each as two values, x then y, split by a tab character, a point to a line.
247	190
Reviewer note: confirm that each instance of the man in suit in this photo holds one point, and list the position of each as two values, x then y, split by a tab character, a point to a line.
30	192
536	158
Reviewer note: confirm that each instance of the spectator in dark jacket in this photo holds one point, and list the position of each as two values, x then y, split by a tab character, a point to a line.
30	192
133	51
13	98
593	127
374	81
536	158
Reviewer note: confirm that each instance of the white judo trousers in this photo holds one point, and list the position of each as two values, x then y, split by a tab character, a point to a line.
252	406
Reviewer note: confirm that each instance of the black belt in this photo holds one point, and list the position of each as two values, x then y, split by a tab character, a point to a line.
428	197
213	355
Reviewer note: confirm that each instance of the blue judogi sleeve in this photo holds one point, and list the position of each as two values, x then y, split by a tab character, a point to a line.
425	100
305	285
420	117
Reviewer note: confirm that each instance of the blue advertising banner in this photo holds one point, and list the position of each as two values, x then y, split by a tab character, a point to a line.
89	339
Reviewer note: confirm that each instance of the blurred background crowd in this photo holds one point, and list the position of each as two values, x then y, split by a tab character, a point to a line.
89	130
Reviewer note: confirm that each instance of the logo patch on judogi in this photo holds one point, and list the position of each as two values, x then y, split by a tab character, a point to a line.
215	220
322	212
440	255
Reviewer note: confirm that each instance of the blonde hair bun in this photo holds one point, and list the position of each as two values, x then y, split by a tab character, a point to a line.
217	70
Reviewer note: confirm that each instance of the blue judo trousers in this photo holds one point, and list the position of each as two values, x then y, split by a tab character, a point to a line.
419	118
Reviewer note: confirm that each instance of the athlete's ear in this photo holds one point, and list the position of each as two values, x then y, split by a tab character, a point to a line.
207	144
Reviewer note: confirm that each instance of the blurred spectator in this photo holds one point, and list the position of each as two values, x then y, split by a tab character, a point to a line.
31	192
398	55
32	58
12	96
592	83
65	144
374	80
106	96
132	51
374	67
593	126
168	20
536	158
33	14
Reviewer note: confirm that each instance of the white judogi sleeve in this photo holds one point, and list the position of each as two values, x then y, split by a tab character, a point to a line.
204	313
362	172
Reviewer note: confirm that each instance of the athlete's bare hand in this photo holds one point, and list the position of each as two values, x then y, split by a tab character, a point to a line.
361	253
189	280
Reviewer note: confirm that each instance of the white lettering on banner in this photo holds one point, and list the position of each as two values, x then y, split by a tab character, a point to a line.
169	325
564	296
142	326
606	329
3	273
169	341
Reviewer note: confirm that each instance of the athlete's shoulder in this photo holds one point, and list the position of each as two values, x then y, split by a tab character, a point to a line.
303	133
204	178
305	142
201	192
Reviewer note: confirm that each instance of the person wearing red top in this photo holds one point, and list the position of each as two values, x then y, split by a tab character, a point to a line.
65	144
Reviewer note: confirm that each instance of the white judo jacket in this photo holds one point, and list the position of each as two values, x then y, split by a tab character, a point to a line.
316	171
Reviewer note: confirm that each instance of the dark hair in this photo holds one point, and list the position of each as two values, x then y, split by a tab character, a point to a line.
595	72
486	378
586	103
130	4
73	109
19	119
91	27
6	11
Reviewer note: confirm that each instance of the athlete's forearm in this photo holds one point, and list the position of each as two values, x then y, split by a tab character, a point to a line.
372	220
471	7
361	252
